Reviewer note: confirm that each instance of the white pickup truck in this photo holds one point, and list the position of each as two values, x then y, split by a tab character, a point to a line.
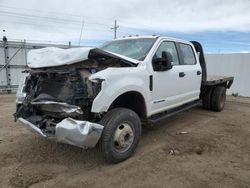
102	96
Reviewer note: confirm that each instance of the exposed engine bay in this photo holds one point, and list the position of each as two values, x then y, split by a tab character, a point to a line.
55	93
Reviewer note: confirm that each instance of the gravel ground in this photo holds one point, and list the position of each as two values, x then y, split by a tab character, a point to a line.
213	153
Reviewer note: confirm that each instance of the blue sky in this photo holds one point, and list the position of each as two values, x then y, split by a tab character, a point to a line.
219	42
213	42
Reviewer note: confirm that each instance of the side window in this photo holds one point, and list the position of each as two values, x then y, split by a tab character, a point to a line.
188	54
168	47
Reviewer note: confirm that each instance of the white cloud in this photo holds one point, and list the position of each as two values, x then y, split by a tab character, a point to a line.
141	16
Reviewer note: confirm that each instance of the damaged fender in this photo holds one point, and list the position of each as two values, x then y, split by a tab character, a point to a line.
115	85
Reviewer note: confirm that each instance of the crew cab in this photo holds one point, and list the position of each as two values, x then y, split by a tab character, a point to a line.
104	96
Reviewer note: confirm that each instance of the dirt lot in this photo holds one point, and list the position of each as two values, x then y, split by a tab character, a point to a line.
214	153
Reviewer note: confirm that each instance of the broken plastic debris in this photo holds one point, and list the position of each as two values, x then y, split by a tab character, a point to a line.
183	132
174	152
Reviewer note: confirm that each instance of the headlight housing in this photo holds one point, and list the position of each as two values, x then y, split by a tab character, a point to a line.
21	94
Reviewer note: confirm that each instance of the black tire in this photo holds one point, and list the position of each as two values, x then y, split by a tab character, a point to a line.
112	122
218	98
206	98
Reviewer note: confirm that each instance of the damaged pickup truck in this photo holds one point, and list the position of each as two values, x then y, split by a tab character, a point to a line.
87	97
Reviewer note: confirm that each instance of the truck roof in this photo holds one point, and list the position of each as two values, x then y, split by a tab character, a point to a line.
138	37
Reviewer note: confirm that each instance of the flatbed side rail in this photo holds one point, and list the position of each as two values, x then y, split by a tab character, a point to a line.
218	80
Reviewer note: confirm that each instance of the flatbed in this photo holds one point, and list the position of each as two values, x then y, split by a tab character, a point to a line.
216	80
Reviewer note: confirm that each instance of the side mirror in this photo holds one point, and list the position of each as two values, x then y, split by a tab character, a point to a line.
164	63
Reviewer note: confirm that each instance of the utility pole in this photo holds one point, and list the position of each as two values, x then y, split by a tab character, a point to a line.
115	29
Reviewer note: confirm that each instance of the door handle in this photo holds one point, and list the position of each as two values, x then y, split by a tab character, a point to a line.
198	72
182	74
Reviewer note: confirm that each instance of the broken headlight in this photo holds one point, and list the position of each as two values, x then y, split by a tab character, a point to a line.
21	94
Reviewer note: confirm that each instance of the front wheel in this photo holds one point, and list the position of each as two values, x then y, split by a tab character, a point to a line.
121	134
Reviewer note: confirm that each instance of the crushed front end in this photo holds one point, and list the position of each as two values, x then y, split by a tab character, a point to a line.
56	103
55	97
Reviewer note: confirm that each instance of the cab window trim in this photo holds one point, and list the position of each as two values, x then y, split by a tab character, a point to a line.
181	54
176	48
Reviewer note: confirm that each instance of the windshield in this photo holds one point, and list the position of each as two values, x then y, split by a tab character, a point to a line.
133	48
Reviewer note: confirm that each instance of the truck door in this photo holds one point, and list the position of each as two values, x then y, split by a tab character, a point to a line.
179	85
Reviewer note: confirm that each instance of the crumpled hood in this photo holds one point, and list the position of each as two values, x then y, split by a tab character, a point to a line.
52	56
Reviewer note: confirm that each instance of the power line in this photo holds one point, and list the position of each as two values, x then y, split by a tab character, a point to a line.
37	20
14	14
49	26
54	12
73	26
71	21
123	23
32	21
35	16
123	33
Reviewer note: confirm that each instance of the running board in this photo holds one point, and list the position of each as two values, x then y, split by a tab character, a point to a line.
163	115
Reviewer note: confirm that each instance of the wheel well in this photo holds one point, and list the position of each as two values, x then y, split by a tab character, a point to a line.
132	100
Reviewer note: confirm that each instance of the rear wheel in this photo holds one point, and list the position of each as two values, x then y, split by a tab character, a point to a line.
121	134
218	98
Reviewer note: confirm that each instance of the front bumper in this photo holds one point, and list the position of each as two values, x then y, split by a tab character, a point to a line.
83	134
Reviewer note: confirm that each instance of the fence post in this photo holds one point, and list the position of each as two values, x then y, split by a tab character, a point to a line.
6	58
